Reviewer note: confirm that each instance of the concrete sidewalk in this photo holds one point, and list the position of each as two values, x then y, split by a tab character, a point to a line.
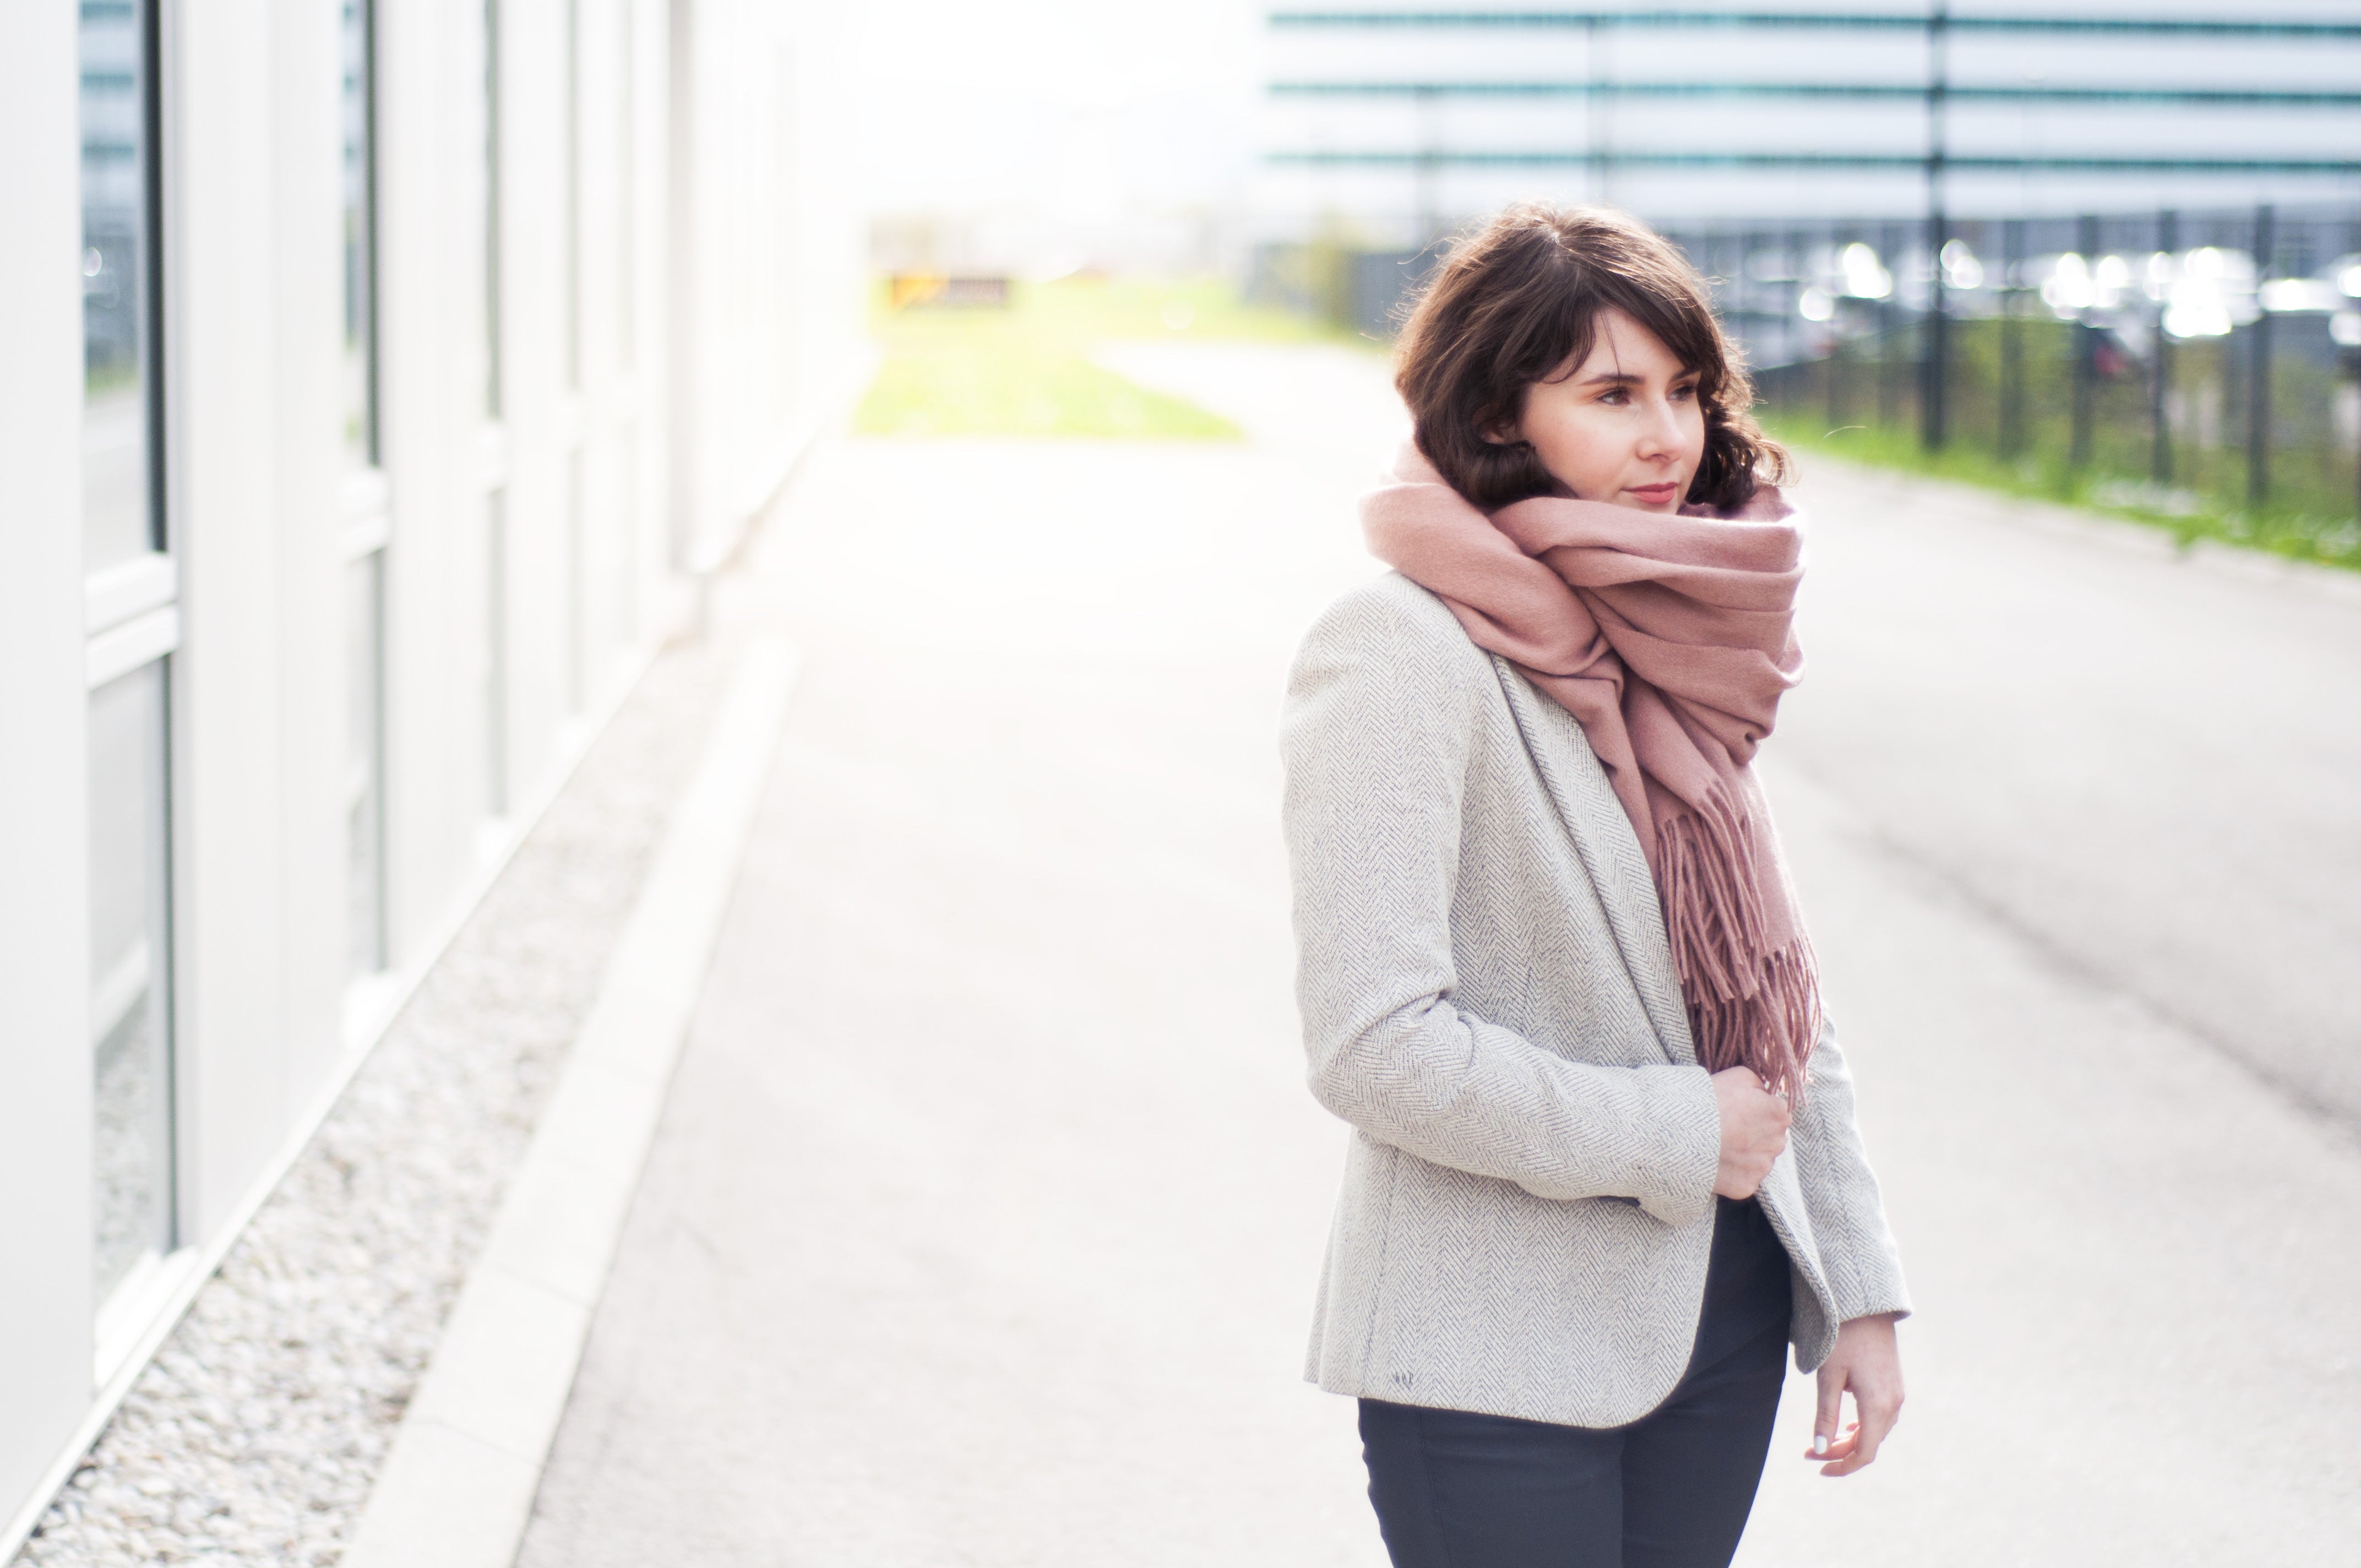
988	1208
985	1219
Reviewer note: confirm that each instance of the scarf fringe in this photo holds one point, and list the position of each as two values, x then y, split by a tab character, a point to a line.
1748	1005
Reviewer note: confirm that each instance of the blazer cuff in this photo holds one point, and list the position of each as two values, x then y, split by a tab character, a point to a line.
1676	1185
1863	1288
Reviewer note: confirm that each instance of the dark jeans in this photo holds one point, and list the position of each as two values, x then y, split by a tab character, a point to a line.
1454	1489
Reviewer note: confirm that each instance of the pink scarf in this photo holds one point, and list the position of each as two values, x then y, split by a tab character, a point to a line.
1669	638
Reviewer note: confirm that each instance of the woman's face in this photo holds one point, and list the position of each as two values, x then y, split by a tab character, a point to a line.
1622	426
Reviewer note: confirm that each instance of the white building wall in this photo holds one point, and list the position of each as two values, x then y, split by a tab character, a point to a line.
45	1121
758	168
544	544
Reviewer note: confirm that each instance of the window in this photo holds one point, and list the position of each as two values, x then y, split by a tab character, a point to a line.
121	518
625	151
578	567
131	609
359	125
495	546
129	939
364	761
366	514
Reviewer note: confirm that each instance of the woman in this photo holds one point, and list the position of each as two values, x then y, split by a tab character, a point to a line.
1604	1167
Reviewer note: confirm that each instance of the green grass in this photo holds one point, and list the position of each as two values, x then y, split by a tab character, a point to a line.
2290	531
987	385
1026	370
1168	309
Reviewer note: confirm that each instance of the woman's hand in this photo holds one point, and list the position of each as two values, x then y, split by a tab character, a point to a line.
1753	1130
1867	1363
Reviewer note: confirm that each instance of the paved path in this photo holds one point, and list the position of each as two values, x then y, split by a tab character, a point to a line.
985	1221
2151	771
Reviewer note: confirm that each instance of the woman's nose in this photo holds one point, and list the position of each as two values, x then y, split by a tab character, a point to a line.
1660	433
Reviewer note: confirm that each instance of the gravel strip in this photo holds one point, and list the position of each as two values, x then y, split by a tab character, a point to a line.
255	1435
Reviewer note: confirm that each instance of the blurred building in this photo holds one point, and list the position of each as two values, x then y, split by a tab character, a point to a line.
379	377
1400	121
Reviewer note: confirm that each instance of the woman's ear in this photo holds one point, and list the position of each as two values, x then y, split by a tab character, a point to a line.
1500	430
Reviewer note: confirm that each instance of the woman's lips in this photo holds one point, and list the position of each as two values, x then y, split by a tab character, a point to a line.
1653	494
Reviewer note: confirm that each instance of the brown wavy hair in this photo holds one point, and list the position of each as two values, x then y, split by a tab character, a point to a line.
1516	301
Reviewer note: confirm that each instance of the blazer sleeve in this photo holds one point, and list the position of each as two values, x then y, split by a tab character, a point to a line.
1840	1193
1379	726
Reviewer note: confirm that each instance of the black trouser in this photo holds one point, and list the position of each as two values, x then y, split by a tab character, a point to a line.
1454	1489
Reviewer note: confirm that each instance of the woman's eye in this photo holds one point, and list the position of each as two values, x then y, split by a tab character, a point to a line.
1686	389
1615	397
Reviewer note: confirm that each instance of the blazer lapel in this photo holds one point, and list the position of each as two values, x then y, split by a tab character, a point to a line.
1610	850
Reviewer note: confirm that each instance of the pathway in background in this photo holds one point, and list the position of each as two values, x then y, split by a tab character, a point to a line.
989	1205
984	1223
2076	822
2152	769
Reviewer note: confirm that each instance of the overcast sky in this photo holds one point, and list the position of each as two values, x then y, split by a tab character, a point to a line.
1089	107
1099	110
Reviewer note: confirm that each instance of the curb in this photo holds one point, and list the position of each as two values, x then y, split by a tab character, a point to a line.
456	1489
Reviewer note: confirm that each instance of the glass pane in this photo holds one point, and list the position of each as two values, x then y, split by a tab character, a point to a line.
364	787
495	653
573	193
130	948
492	366
625	510
578	589
360	265
627	193
118	516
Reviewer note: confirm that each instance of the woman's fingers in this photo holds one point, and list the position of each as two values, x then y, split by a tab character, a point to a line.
1838	1447
1858	1448
1861	1449
1878	1414
1831	1410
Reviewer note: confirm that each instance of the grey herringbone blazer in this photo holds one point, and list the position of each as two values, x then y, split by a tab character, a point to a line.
1489	998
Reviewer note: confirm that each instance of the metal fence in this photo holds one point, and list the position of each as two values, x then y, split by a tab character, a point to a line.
2196	364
